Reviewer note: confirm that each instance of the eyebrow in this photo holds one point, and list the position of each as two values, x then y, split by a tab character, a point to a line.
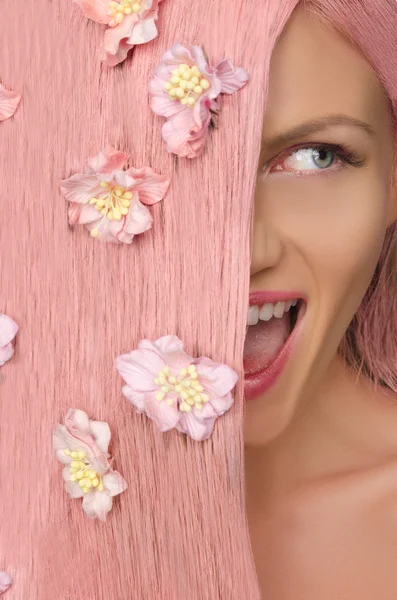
306	129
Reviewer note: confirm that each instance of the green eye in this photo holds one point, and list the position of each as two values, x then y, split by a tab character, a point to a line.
323	158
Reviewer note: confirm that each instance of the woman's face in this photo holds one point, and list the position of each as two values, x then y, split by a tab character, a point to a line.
323	201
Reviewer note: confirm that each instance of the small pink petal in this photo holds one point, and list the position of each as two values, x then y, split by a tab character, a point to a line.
114	35
151	186
136	398
77	422
114	483
63	440
73	489
197	430
107	161
144	31
183	137
165	416
101	432
97	504
170	349
9	102
5	582
95	9
83	214
221	404
124	179
139	369
232	79
8	330
6	352
137	221
80	188
219	379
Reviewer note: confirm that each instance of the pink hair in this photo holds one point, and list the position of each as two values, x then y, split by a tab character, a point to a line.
180	530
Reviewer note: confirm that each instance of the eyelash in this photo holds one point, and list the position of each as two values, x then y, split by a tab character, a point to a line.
347	156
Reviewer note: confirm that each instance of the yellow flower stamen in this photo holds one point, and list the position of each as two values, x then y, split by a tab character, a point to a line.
187	84
113	205
119	10
185	386
81	471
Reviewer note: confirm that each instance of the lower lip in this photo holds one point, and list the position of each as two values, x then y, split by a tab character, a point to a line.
259	383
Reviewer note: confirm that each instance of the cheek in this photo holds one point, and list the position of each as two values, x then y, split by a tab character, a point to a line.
336	226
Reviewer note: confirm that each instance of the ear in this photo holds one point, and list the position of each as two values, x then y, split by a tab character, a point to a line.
392	216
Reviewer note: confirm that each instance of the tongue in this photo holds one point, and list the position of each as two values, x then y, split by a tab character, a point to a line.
263	342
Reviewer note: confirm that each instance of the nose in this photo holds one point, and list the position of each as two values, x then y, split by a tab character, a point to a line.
267	246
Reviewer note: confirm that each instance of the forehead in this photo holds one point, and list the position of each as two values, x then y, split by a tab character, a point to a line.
316	71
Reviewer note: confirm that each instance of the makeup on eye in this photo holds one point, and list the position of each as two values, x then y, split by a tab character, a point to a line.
343	157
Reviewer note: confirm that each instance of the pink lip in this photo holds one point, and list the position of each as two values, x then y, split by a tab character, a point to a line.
267	297
257	384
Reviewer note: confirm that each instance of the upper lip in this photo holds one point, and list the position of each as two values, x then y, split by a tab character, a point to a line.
272	297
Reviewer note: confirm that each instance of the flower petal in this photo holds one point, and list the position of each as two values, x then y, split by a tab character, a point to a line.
165	416
63	440
232	78
8	330
106	161
221	404
5	582
6	352
73	489
151	186
136	398
9	102
218	379
101	432
95	9
139	369
144	31
183	136
97	504
197	430
77	422
114	483
83	214
80	188
171	349
114	35
137	221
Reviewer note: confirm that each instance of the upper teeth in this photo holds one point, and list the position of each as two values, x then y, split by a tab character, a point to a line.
267	311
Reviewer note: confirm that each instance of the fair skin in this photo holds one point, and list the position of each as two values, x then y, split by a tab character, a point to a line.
321	443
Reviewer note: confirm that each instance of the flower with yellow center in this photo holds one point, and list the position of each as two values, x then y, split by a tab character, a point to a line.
119	10
186	385
187	85
113	205
81	471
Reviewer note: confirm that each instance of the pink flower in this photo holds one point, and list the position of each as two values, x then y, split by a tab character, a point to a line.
174	389
82	445
8	103
131	22
5	582
185	89
109	200
8	331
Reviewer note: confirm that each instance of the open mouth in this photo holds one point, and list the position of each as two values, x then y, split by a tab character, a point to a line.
272	327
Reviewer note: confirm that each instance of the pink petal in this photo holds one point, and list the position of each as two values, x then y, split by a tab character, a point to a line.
80	188
232	78
183	136
5	582
137	221
114	35
151	187
170	349
73	489
97	504
160	102
101	432
124	179
107	161
139	369
136	398
197	430
221	404
83	214
95	10
9	102
165	416
201	62
114	483
6	352
218	379
62	439
77	422
144	31
8	330
111	60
